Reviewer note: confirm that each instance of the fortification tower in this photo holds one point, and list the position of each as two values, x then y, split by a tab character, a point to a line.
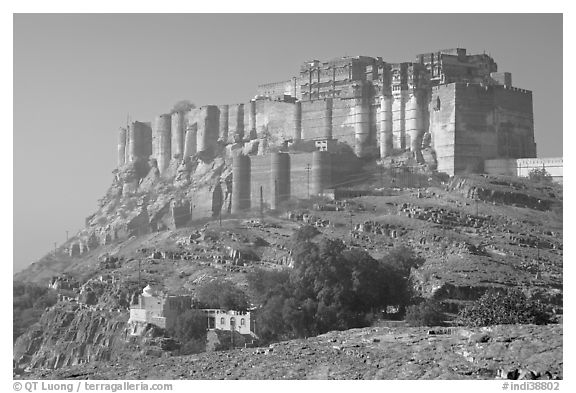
178	129
161	141
121	146
240	183
321	171
279	179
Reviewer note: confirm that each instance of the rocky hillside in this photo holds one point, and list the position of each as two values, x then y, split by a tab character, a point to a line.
507	352
473	233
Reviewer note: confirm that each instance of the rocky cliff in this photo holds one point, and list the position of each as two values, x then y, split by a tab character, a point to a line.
69	335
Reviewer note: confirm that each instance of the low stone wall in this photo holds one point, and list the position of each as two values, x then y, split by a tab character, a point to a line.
521	167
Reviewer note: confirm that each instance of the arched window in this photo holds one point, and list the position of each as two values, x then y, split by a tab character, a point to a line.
222	321
242	322
437	106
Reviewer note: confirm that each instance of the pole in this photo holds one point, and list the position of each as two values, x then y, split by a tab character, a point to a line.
232	327
351	228
276	193
191	203
261	204
308	179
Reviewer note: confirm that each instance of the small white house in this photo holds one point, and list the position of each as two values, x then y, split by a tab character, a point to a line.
239	321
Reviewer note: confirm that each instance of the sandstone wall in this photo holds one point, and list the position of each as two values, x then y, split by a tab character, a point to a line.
275	120
353	122
235	122
476	128
515	122
472	123
443	125
345	169
260	177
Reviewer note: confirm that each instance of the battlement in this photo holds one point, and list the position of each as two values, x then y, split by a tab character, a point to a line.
489	88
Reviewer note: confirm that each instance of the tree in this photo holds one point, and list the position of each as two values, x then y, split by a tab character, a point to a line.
190	329
223	294
403	259
329	288
182	106
267	283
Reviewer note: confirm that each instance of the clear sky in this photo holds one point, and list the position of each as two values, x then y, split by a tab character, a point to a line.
77	76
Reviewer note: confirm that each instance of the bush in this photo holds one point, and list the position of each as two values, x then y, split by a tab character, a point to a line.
501	308
540	176
428	313
304	234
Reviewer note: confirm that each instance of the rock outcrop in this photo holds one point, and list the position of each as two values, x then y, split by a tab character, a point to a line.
497	352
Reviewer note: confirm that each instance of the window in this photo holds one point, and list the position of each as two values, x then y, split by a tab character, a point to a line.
437	106
242	322
222	321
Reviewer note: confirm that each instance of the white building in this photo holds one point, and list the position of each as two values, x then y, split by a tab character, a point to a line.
158	309
239	321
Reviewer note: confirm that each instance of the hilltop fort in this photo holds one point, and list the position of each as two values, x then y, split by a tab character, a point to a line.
336	124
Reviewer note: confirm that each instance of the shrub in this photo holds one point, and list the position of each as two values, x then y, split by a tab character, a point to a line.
428	313
503	307
540	175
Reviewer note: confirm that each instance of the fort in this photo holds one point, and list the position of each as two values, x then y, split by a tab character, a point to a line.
334	125
457	104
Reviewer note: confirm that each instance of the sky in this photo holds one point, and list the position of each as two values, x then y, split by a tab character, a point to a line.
76	77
